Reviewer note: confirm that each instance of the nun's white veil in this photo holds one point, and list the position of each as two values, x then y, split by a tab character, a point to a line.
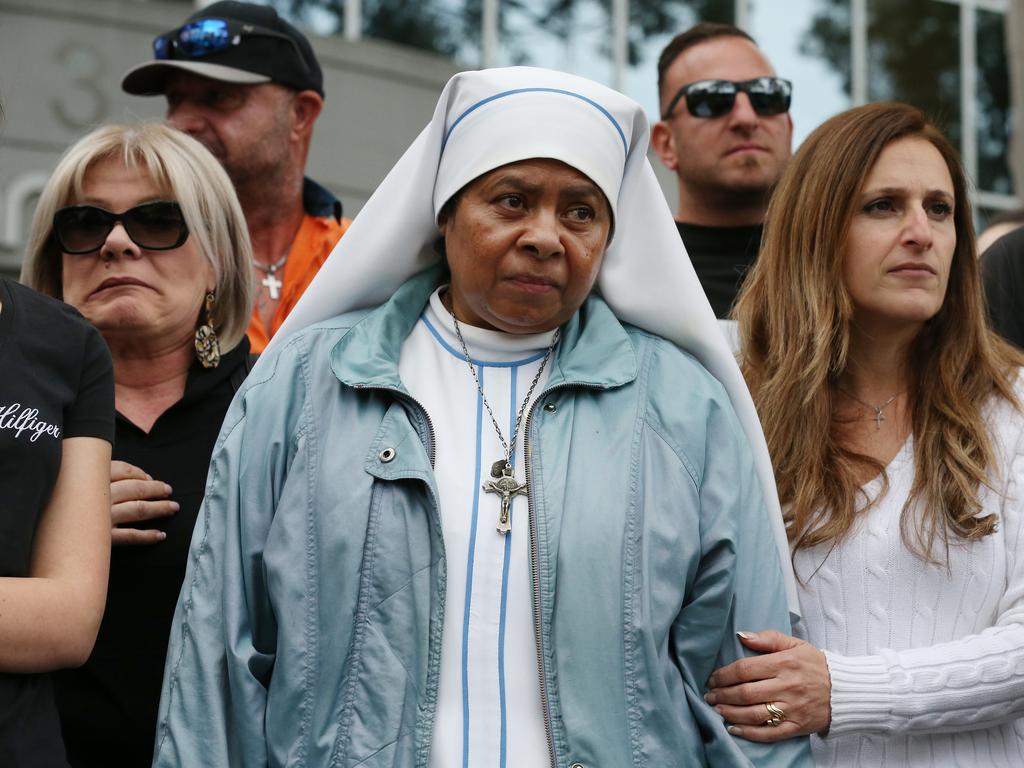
489	118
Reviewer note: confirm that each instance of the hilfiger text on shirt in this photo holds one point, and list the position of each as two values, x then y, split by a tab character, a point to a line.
19	419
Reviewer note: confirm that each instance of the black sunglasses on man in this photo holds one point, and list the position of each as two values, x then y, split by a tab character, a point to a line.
714	98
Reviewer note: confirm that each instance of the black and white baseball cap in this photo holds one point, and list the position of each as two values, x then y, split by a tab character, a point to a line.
233	42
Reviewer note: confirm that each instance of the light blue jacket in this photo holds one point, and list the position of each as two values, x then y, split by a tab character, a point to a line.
308	631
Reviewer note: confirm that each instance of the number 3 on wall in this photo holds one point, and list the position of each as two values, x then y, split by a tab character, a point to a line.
85	103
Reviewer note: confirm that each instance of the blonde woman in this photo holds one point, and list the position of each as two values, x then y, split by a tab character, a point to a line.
140	230
892	417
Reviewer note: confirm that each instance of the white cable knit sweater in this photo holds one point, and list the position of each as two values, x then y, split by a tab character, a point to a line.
927	663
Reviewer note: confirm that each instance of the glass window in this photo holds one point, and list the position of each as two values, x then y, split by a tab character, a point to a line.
323	18
993	105
825	38
448	27
914	57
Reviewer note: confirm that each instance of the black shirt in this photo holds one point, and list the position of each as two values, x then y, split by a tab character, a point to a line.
721	257
1002	274
108	707
56	382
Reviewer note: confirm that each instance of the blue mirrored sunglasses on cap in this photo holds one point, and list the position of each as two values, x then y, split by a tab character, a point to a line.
204	37
715	98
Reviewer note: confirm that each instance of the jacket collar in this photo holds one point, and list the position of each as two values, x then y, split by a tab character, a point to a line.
594	351
319	201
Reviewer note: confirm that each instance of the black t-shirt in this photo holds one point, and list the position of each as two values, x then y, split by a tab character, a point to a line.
1002	274
108	707
721	257
56	382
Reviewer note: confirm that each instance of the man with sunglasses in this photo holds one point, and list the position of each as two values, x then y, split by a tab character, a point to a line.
247	84
725	131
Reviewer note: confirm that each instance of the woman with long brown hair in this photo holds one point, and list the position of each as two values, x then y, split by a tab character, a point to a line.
892	416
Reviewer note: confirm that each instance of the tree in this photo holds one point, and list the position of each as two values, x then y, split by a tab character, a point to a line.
452	27
913	53
913	56
647	18
425	25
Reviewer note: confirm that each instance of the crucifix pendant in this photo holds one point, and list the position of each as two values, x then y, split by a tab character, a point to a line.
506	486
879	418
273	285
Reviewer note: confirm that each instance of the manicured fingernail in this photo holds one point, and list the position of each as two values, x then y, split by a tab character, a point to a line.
709	698
745	635
167	488
735	730
161	535
175	506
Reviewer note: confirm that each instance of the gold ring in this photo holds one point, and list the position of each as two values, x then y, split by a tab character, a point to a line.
777	715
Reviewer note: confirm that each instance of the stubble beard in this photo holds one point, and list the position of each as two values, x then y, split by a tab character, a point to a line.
258	170
242	174
745	189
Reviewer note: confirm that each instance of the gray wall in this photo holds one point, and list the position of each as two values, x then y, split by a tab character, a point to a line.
61	63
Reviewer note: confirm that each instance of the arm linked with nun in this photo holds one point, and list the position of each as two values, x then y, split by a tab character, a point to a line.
738	587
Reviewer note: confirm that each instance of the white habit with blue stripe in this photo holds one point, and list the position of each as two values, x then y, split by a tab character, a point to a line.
489	708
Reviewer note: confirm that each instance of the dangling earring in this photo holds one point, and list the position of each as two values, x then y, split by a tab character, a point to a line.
207	344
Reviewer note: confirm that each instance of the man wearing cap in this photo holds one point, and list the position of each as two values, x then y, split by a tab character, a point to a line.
247	85
725	132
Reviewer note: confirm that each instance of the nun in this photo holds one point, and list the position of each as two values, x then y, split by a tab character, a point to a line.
495	495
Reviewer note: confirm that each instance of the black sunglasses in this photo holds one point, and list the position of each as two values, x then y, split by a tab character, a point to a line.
714	98
156	226
204	37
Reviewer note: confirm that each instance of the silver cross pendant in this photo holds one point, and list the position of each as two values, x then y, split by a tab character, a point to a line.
879	418
273	285
505	486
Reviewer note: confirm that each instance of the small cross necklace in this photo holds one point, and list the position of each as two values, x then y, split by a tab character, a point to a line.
503	481
878	417
271	282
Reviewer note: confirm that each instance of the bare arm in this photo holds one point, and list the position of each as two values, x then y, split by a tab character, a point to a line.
49	620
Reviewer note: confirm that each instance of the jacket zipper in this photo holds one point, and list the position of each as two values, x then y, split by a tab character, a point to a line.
545	705
431	439
535	581
535	569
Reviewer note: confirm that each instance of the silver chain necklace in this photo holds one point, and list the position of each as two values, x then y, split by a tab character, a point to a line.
878	417
503	482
